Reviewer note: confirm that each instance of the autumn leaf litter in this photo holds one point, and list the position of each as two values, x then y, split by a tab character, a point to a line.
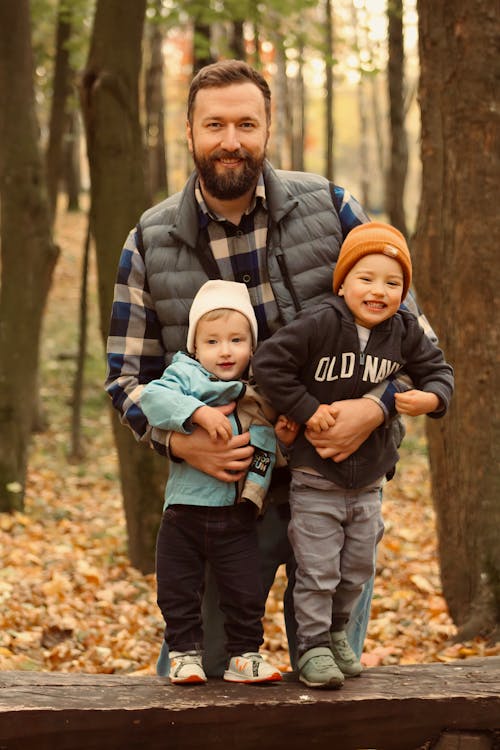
71	602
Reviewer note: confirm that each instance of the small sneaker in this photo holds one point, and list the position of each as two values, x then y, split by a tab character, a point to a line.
186	668
317	669
251	667
343	654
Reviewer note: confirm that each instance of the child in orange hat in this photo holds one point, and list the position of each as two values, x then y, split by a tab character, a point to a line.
339	350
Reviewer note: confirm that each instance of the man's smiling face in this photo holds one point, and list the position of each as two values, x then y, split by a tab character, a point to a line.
228	137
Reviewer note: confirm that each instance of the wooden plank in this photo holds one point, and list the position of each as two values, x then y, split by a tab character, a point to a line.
464	741
388	708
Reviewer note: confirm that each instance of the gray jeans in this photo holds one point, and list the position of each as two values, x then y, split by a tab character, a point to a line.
334	533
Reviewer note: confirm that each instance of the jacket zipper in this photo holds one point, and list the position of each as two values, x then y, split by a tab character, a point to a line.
239	428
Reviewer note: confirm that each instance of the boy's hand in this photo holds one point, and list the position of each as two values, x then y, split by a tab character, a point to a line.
355	420
322	419
227	461
414	403
286	430
213	421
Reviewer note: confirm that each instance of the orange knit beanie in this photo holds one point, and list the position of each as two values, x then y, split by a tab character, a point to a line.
373	237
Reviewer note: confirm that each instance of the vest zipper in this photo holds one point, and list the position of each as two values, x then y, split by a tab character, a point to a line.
280	257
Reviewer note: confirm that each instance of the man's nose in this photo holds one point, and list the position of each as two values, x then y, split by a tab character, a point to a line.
230	140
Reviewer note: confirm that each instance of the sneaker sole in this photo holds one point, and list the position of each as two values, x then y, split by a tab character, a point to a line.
193	679
233	677
351	674
332	684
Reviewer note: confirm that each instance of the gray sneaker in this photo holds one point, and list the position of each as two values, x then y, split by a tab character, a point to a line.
343	654
317	669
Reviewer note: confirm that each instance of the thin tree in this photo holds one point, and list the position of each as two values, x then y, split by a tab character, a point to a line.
28	254
398	158
329	119
110	102
60	93
457	281
363	114
155	113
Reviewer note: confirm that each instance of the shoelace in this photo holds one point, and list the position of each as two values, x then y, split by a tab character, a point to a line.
322	663
344	649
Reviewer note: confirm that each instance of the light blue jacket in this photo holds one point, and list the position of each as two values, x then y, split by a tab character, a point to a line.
169	402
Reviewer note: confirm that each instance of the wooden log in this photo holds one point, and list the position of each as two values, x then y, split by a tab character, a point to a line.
388	708
464	741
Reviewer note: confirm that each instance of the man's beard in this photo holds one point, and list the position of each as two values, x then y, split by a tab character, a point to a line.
232	183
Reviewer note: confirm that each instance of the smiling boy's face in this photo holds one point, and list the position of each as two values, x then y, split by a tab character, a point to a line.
373	289
223	343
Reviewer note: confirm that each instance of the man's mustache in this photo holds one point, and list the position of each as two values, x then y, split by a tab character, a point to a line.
241	153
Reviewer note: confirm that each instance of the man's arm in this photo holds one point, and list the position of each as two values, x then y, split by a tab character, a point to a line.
136	356
135	352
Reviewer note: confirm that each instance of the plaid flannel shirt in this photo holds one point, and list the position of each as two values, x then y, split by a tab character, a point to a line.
135	352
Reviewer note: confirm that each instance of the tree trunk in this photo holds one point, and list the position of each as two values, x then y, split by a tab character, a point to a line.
237	48
457	280
201	45
279	148
329	121
60	92
398	159
155	115
363	117
72	175
28	253
110	103
298	112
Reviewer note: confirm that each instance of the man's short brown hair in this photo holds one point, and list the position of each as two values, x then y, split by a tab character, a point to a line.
225	73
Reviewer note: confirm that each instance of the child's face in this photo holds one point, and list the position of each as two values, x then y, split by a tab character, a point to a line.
223	346
373	288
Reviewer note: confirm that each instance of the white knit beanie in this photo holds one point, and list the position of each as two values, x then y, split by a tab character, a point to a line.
217	294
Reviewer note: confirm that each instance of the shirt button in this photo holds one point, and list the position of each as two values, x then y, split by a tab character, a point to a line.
239	233
246	278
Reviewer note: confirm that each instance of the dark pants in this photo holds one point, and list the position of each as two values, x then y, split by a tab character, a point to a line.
226	537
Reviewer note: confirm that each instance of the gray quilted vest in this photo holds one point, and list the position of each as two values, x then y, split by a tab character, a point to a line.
303	241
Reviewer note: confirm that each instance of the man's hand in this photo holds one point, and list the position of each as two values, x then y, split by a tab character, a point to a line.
355	420
226	460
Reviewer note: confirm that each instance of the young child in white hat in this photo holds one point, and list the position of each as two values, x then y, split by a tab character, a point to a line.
205	519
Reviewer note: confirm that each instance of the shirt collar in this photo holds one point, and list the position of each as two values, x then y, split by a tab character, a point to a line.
206	214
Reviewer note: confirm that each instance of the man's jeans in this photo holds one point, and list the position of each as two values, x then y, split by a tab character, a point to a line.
275	551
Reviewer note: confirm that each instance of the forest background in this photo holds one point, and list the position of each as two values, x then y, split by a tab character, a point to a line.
398	103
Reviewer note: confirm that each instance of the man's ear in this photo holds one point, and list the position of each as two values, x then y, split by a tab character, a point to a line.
189	136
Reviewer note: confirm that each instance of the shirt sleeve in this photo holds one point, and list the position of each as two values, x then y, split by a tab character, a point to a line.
135	352
350	211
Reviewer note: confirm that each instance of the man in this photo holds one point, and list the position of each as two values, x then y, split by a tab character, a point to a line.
238	219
